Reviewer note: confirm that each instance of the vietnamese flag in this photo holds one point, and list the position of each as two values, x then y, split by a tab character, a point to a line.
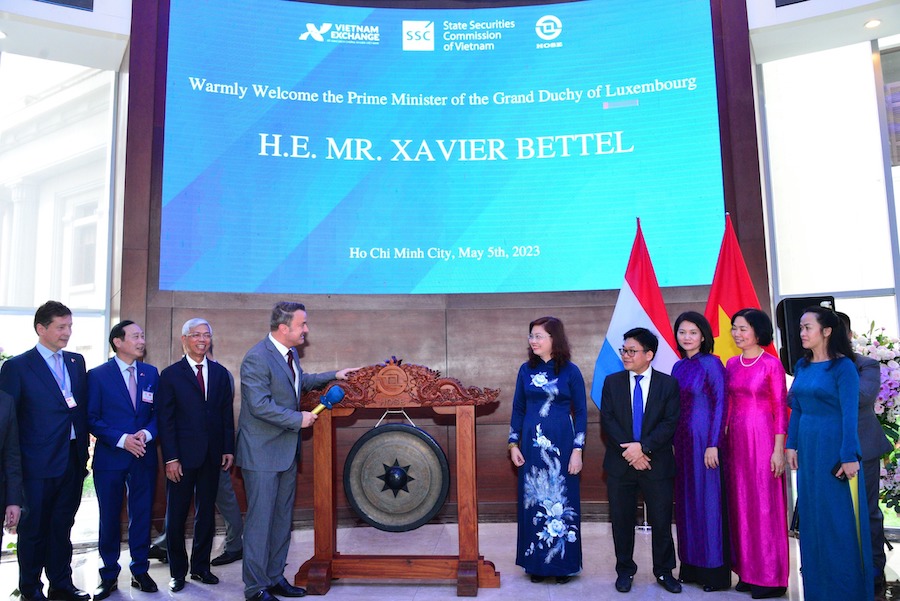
732	290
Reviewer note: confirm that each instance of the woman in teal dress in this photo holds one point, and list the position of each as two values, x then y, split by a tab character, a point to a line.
824	445
546	438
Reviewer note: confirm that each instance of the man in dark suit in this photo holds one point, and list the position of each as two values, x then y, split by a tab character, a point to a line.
226	504
196	433
873	446
49	388
121	415
268	447
639	410
10	465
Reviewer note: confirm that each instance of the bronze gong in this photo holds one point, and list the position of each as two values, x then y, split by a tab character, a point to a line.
396	477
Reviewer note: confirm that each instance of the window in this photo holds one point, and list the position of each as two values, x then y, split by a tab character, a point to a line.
56	129
831	230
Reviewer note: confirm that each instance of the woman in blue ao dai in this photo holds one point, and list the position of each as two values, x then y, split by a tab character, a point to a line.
823	442
546	438
699	510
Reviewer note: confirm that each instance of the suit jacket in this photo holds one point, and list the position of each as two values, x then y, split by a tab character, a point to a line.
111	414
270	419
872	441
657	430
10	455
191	428
45	420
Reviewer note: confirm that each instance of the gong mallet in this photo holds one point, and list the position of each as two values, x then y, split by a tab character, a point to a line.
334	396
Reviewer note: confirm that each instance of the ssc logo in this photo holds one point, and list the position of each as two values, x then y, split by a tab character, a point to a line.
418	35
548	27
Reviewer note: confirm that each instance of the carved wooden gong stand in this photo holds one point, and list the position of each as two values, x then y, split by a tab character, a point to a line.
395	386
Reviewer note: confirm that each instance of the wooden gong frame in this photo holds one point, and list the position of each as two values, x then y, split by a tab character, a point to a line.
396	386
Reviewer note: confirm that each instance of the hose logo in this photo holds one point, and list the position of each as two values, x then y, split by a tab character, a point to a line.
548	27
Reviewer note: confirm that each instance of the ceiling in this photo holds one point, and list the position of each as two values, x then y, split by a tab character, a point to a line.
839	28
71	37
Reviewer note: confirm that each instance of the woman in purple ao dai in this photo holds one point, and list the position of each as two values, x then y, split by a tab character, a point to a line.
699	509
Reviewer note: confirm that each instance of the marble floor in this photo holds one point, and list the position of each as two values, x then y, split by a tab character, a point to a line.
497	542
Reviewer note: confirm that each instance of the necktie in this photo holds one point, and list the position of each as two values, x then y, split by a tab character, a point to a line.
59	374
132	386
290	359
200	379
637	408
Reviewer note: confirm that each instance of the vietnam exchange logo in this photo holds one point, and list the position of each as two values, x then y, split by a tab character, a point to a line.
314	32
548	28
342	33
418	35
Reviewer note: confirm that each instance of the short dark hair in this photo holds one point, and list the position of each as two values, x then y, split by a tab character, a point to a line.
708	343
559	349
760	322
118	331
283	313
645	338
47	312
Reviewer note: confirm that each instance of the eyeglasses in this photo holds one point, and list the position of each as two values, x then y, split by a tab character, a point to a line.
199	336
631	352
538	337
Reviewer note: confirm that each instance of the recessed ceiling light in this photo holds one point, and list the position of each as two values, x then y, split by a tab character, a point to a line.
872	23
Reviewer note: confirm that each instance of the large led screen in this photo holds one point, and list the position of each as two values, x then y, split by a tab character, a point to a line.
313	148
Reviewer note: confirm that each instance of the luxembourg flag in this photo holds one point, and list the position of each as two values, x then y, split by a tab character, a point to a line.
640	304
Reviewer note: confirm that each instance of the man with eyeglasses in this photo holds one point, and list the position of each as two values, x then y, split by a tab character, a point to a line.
639	411
196	433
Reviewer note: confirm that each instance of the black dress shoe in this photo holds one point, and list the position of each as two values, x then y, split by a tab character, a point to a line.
206	577
69	593
743	587
159	553
176	584
668	582
623	583
262	595
36	596
226	558
562	579
286	589
708	588
536	579
143	582
768	592
105	588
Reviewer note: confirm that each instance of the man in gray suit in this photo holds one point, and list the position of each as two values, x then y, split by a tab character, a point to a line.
268	448
873	445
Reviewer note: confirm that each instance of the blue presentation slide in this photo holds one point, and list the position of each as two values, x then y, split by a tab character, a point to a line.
322	149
